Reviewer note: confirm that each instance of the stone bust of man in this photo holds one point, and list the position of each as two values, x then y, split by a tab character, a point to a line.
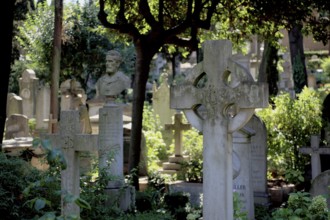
113	82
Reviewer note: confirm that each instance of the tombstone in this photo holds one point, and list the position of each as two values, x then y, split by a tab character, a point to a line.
72	142
14	104
286	80
315	151
17	126
177	127
242	183
228	99
43	107
70	90
161	107
161	101
320	186
28	87
259	160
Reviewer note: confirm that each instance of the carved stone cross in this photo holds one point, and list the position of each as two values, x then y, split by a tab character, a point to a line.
71	142
218	107
178	127
315	151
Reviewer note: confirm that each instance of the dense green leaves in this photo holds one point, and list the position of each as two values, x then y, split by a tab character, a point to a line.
290	123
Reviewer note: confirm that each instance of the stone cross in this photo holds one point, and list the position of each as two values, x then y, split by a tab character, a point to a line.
178	127
71	142
315	152
228	98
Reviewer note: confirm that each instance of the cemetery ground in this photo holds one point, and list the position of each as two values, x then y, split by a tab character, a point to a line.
276	171
28	193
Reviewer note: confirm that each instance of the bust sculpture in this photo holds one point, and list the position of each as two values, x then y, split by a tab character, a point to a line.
113	82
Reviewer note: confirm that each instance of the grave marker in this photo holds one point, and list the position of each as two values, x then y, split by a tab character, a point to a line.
229	98
71	142
178	127
28	86
315	151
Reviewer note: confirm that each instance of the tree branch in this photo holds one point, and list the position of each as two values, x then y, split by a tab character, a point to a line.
145	11
127	28
180	42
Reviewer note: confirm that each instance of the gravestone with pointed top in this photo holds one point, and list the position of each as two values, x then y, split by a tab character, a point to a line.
228	99
14	104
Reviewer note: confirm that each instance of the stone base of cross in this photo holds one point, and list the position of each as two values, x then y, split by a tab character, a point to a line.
222	105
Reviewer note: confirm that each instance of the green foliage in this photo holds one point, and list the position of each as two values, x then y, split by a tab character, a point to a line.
15	175
302	206
156	147
283	121
193	147
155	214
238	213
326	66
294	176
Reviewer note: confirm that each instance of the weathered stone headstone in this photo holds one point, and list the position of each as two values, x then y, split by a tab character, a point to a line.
71	90
71	142
161	101
14	104
242	183
28	87
286	79
17	126
178	127
229	97
43	107
259	160
315	151
320	185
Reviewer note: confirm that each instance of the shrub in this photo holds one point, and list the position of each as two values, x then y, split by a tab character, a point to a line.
290	123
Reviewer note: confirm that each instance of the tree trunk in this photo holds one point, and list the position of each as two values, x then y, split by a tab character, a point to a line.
143	60
7	18
297	58
56	62
268	68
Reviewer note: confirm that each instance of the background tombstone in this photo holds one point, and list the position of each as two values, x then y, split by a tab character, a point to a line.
242	183
70	89
14	104
43	107
320	185
28	86
229	96
259	160
161	107
17	126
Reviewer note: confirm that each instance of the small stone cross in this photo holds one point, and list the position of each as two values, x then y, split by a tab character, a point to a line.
178	127
71	142
315	151
52	122
228	99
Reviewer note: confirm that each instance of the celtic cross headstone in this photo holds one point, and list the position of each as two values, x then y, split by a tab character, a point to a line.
218	98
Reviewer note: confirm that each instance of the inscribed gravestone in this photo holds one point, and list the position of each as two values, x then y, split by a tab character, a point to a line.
242	183
229	97
17	126
259	160
43	107
14	104
28	86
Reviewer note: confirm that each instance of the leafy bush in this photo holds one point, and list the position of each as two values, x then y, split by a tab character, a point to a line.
326	66
302	206
156	147
15	175
290	123
193	148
